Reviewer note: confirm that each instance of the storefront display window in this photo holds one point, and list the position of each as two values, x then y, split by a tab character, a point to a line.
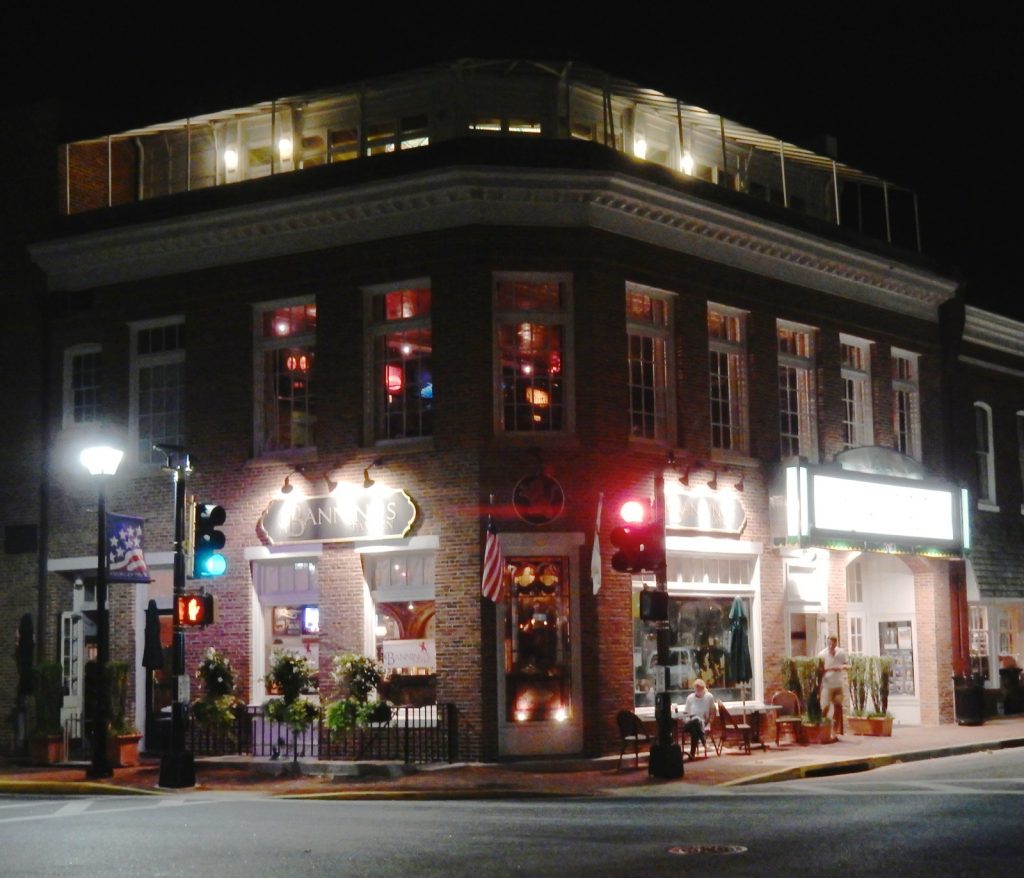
699	643
538	668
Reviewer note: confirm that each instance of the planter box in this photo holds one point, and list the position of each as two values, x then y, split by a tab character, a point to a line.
812	733
123	750
878	726
46	750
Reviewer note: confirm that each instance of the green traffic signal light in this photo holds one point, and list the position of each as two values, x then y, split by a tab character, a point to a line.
208	541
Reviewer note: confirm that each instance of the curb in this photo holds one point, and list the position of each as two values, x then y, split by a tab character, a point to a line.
70	788
505	794
866	763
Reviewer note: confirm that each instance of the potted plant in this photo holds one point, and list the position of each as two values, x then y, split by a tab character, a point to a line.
123	738
48	737
291	675
217	707
859	678
358	680
880	718
815	728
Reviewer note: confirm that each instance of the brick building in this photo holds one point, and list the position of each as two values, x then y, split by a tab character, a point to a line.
375	317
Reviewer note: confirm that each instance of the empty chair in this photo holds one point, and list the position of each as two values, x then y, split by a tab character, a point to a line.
788	717
735	728
632	731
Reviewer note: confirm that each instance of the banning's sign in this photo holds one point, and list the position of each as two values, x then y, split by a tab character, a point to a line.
344	516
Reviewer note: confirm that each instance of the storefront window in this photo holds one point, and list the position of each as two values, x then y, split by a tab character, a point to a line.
700	636
979	641
538	667
896	640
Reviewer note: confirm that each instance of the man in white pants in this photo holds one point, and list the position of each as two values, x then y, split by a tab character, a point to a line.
836	662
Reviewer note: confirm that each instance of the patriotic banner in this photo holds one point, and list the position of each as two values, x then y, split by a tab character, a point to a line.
493	578
125	559
595	555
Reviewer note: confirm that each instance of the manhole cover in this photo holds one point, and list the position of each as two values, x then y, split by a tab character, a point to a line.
688	849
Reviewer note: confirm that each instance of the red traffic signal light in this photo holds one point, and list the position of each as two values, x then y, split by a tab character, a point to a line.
640	542
193	610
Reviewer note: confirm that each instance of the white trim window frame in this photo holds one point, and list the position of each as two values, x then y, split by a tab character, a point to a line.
533	353
985	456
83	384
798	403
400	391
727	379
156	408
906	402
284	376
650	363
858	422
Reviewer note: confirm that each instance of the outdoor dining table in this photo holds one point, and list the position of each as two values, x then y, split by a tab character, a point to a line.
754	710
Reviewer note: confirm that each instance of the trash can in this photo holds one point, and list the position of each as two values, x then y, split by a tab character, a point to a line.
969	699
1009	682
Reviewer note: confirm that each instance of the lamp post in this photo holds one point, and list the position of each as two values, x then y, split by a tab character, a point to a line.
101	461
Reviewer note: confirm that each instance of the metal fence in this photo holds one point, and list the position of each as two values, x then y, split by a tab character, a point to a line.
412	735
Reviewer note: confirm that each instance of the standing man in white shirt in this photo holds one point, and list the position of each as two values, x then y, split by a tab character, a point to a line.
836	662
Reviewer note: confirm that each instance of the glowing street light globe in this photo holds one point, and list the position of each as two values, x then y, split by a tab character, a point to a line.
101	460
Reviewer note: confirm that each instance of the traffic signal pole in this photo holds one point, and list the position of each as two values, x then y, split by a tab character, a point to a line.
666	758
177	767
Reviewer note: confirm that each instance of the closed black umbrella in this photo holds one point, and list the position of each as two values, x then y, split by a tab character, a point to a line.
152	651
738	660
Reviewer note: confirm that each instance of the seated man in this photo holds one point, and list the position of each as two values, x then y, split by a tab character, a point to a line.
698	710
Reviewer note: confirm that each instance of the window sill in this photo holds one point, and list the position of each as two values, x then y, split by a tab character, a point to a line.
528	440
411	444
985	506
286	455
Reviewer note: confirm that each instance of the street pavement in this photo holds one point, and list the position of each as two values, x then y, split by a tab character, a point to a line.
534	778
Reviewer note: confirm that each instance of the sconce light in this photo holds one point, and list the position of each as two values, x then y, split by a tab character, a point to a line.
713	483
331	484
287	488
684	479
739	485
367	481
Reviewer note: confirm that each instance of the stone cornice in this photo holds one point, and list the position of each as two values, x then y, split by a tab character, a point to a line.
458	196
993	331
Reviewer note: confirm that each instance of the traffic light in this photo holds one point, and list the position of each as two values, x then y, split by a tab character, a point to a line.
639	540
207	541
194	609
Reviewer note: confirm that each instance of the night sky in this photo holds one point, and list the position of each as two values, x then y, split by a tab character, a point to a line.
926	100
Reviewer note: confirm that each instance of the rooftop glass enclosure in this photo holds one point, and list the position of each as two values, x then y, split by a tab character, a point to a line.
514	99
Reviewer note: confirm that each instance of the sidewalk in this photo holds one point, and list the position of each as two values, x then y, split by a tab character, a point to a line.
533	778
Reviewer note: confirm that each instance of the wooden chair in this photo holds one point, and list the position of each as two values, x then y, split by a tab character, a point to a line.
734	727
632	731
789	715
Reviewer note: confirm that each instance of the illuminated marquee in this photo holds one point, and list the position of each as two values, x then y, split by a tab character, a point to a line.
826	506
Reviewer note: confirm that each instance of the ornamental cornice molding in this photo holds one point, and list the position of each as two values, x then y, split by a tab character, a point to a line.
993	331
455	197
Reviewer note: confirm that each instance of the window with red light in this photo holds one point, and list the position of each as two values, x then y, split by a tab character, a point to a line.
286	412
403	381
533	326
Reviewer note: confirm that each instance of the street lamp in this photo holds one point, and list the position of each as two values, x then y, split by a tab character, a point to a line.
101	461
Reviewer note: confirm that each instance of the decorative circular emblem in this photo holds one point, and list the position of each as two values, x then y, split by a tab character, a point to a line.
538	499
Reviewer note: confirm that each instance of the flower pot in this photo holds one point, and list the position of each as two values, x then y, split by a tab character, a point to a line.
881	726
46	749
816	733
123	750
859	725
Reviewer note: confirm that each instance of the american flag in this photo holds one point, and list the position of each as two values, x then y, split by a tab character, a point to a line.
494	566
125	559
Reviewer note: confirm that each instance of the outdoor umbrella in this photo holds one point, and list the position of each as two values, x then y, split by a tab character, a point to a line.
152	651
739	646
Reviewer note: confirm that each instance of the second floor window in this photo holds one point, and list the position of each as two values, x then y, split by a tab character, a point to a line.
533	334
985	454
858	426
648	322
83	372
906	403
286	398
403	392
797	399
157	386
727	369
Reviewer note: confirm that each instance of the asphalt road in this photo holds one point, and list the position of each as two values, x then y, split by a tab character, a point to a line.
957	816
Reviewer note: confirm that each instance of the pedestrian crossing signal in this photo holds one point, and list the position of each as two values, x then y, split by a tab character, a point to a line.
194	610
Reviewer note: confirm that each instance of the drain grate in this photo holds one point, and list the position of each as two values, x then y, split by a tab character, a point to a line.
690	849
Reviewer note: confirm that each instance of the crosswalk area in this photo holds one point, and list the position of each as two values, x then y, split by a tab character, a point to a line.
22	808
